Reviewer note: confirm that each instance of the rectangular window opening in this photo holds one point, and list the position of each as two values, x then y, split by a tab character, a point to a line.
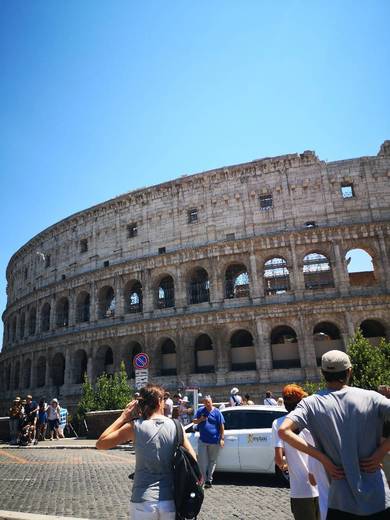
192	216
47	261
106	263
132	230
162	250
83	245
265	201
347	191
230	236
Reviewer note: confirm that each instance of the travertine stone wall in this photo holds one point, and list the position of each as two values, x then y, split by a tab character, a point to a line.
92	250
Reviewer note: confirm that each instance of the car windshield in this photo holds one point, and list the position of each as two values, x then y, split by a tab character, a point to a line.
250	419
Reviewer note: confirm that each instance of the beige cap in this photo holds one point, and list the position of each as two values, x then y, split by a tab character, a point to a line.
335	361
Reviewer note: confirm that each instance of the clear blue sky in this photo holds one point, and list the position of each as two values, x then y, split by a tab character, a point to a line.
98	98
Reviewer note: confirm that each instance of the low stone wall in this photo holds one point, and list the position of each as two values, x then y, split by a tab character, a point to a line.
4	429
97	422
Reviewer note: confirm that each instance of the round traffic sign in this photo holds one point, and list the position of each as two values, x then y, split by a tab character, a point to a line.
141	360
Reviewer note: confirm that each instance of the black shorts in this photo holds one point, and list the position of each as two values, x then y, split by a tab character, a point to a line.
335	514
53	424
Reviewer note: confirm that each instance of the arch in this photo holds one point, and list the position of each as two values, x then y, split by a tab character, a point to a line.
62	312
80	366
41	371
360	268
27	373
242	351
236	281
317	272
284	347
165	295
198	286
22	326
168	358
373	330
133	297
326	336
16	375
106	304
45	317
83	307
276	276
58	369
32	321
104	361
204	354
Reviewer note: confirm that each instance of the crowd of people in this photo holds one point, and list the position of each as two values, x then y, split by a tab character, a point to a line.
31	422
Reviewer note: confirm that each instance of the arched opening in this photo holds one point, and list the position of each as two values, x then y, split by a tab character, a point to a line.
135	348
62	312
242	351
58	369
41	372
199	286
326	336
373	330
22	328
276	276
168	358
236	281
32	321
166	293
133	297
83	304
317	272
104	361
284	347
106	302
80	366
204	354
27	373
16	375
360	268
45	317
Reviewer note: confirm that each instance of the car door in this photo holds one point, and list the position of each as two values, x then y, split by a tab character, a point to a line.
228	458
256	449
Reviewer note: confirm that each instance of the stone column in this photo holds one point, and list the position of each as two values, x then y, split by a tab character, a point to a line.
340	274
350	325
38	315
345	338
306	348
33	380
90	367
72	308
221	357
384	260
147	292
217	294
52	313
264	355
119	298
48	381
182	361
180	290
297	280
256	282
93	314
68	367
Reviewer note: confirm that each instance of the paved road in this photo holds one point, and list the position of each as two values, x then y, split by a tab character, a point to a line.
94	484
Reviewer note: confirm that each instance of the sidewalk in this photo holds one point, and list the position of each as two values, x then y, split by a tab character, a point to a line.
71	443
14	515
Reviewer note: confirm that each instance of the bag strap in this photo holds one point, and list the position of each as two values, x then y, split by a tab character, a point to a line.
179	433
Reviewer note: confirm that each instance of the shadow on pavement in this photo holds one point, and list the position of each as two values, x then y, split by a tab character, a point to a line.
248	479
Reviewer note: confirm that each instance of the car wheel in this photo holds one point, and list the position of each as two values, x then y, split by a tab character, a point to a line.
282	477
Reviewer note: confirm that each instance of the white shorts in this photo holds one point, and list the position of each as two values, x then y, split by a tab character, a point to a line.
163	510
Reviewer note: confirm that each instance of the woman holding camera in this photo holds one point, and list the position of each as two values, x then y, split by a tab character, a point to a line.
154	437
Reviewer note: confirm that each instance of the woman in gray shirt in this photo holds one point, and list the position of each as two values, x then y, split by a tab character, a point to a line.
154	437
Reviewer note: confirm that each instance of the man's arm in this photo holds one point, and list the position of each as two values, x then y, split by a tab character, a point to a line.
222	435
279	458
286	433
371	464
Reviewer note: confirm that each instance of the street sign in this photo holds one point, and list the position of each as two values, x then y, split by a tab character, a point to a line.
141	361
141	377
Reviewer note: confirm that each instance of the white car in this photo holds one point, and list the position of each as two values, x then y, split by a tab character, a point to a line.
248	439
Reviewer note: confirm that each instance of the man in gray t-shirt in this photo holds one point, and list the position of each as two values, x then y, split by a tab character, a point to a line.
346	424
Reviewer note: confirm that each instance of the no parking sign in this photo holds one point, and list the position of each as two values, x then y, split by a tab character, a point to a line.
141	365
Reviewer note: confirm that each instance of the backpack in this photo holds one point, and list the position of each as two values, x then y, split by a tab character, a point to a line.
187	478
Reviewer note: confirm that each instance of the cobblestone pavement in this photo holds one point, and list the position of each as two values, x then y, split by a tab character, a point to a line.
94	484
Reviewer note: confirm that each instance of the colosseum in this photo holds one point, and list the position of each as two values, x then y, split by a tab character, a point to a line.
235	276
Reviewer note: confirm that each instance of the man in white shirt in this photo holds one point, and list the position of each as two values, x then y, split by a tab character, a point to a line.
168	405
303	489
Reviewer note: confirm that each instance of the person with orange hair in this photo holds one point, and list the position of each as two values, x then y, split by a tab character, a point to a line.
304	495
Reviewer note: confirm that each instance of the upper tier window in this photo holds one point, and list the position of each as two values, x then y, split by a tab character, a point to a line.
193	216
132	230
347	191
265	201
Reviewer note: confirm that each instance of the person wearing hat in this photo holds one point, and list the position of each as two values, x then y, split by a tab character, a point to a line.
346	424
184	411
235	398
53	418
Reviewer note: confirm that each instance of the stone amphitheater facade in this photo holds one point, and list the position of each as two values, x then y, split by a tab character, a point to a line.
235	276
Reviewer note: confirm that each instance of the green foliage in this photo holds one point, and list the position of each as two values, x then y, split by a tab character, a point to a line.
311	387
109	393
370	364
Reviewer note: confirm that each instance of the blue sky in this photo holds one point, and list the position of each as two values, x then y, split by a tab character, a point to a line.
98	98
